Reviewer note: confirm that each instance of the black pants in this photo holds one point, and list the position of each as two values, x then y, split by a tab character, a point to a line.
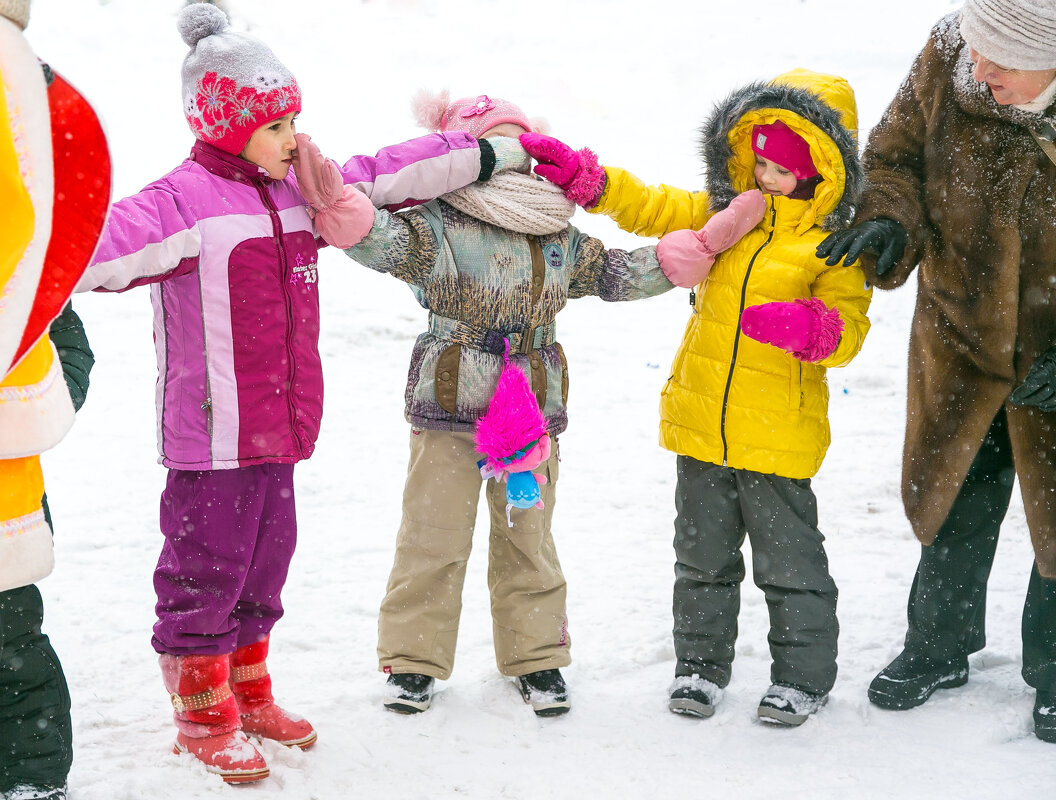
947	602
36	737
717	508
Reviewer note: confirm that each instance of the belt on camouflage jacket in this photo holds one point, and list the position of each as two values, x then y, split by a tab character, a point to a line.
491	341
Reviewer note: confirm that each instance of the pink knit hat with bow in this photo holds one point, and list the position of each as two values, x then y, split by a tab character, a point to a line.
472	115
232	83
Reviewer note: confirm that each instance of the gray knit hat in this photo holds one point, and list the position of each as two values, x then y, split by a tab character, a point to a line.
15	10
232	83
1018	34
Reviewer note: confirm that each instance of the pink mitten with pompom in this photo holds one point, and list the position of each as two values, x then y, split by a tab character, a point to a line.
578	173
686	257
806	328
343	215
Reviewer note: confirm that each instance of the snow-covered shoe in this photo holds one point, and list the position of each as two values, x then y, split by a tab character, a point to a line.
694	696
251	685
207	718
787	705
230	755
545	692
1045	716
25	791
273	722
911	679
408	693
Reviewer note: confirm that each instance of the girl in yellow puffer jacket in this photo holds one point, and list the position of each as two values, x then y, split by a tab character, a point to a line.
746	406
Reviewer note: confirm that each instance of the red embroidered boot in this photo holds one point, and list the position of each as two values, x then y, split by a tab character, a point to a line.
260	716
207	720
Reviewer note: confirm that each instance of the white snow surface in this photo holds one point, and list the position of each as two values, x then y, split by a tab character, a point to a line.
633	80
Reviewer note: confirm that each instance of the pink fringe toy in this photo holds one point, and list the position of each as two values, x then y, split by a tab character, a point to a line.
513	439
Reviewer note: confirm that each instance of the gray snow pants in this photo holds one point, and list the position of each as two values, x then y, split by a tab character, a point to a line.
716	508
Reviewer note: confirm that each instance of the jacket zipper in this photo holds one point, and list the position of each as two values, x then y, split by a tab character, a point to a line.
276	226
737	334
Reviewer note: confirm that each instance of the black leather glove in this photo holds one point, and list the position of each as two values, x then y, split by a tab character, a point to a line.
882	236
1039	387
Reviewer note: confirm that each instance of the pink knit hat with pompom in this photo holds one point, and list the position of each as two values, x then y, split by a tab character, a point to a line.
472	115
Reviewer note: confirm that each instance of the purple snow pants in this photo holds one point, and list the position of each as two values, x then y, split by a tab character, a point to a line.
229	538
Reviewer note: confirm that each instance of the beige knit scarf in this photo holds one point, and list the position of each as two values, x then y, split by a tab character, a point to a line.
516	202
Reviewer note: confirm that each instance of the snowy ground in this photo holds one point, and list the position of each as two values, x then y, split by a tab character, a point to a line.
633	81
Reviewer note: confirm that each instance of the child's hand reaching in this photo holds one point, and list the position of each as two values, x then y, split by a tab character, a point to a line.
509	155
578	173
808	329
686	256
343	215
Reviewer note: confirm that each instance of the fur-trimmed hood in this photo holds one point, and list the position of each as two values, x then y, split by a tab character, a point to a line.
820	108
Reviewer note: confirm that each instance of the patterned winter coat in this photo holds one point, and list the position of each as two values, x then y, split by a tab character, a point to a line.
731	400
976	194
482	283
230	255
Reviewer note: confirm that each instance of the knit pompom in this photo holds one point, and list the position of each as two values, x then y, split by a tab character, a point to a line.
429	108
200	20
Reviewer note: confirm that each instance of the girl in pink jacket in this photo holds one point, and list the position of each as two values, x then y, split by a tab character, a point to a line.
229	249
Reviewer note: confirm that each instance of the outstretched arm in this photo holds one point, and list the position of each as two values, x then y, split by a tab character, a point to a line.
148	237
422	169
647	211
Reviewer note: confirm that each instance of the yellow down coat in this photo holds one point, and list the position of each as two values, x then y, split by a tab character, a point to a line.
729	399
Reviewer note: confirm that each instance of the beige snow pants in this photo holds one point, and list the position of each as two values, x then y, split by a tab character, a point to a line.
418	625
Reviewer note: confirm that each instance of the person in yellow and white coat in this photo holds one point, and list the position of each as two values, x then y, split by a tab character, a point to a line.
36	411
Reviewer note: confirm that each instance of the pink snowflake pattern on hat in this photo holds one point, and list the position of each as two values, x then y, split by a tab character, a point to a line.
214	95
247	105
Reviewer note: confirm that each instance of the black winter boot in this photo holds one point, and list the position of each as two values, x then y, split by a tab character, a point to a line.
26	792
1045	716
408	693
546	692
910	680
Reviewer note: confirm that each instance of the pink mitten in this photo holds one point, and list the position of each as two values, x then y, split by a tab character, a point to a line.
317	176
343	215
578	173
686	257
806	328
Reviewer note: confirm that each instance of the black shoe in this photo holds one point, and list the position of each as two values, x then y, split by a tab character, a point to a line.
1045	716
786	705
25	791
408	692
546	692
910	680
694	696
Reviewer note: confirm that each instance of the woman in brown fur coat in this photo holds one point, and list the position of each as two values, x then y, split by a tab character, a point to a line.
961	179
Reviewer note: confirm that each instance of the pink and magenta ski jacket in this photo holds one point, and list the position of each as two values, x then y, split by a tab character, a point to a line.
230	256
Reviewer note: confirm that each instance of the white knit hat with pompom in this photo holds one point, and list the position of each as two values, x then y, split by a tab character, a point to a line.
16	10
232	83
